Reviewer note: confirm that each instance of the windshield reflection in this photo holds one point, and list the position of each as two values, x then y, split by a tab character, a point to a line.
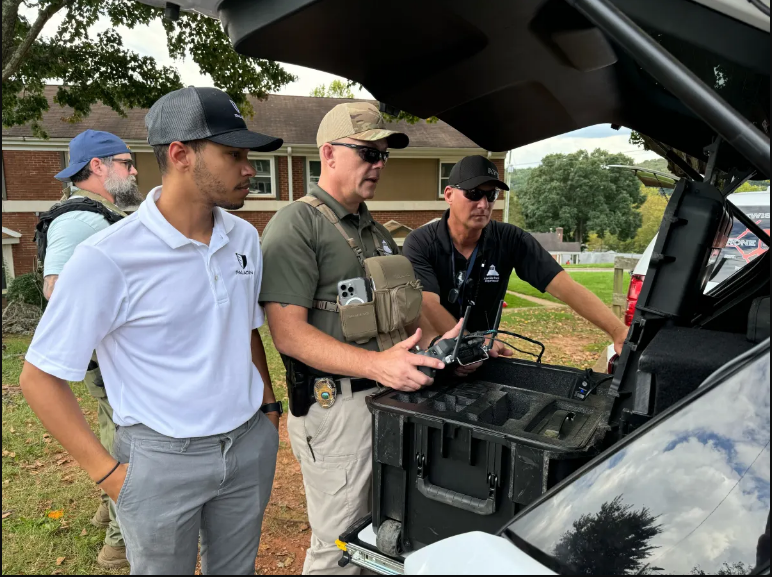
691	496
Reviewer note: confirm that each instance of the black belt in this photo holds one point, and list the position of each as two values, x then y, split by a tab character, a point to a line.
357	385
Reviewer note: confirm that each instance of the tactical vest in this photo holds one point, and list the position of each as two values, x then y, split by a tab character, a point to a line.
85	202
397	295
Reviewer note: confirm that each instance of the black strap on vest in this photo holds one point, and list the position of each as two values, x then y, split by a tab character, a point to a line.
80	203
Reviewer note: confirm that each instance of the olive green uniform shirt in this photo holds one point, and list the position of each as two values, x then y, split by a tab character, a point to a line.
305	257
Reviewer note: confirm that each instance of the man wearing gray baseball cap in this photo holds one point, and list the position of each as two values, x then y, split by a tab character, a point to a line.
168	297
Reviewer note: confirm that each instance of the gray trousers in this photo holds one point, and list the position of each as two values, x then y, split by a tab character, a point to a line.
217	486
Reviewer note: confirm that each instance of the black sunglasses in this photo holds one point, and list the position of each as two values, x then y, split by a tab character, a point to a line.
475	194
128	163
367	153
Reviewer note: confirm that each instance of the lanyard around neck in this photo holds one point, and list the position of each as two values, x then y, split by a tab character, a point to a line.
468	273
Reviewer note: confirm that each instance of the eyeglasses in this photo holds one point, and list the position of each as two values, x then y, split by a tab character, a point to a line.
128	163
367	153
475	194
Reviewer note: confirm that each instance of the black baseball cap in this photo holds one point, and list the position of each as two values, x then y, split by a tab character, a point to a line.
472	171
203	114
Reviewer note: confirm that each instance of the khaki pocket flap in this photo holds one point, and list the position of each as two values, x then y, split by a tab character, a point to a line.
326	480
358	321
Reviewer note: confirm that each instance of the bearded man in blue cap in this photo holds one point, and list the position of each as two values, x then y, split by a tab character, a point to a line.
103	184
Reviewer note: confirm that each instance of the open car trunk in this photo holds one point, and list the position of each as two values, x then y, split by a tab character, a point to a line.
507	74
480	65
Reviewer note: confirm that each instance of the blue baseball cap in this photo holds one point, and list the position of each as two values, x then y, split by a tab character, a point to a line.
91	144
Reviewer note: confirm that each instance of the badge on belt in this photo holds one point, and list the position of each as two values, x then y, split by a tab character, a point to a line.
324	392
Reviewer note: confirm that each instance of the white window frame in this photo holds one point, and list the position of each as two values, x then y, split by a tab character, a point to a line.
440	188
309	160
8	262
274	192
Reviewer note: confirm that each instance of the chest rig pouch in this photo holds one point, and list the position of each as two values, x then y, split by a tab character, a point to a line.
396	292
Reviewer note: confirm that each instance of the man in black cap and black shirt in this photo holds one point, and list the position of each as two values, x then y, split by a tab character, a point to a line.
466	258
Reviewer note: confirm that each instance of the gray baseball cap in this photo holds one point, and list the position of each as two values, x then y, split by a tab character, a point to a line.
203	114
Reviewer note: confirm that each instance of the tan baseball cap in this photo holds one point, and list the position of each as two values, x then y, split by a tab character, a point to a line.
360	120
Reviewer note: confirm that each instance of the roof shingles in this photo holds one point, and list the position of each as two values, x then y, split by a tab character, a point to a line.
295	119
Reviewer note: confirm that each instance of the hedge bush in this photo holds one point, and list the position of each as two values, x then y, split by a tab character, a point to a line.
27	288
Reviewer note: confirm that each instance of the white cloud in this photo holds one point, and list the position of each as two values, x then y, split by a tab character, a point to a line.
308	79
151	41
590	138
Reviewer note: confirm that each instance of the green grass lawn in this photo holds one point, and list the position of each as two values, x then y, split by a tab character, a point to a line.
522	287
39	479
515	302
599	283
569	340
601	265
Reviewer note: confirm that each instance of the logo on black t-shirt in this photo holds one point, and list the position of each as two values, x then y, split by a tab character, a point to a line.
242	260
492	275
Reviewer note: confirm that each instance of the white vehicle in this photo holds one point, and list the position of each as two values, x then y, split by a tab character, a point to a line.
741	248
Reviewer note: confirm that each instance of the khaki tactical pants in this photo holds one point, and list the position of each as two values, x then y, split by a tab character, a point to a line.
334	449
96	388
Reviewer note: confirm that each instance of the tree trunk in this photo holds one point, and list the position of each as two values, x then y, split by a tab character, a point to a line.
12	65
579	232
10	15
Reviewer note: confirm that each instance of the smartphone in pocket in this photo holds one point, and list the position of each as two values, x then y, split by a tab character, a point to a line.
353	291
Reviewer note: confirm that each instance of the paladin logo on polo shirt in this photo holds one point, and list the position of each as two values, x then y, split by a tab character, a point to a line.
492	275
242	259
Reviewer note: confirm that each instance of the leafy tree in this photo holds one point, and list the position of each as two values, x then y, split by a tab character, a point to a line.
516	210
651	213
613	541
654	164
516	178
575	192
738	568
750	187
336	89
100	69
406	116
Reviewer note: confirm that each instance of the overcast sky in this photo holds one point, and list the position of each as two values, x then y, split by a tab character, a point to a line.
151	41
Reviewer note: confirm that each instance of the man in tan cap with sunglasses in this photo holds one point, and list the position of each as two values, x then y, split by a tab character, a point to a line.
309	247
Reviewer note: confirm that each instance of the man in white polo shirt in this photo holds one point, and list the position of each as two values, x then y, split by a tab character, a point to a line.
168	297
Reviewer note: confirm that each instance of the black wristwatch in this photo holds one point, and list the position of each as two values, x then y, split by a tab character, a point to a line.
273	408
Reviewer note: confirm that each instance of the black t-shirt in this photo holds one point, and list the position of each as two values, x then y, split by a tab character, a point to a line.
501	249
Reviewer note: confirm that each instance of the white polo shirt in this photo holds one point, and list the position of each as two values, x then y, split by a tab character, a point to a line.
170	319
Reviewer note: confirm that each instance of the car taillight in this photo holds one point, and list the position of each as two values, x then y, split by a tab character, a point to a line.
636	284
612	364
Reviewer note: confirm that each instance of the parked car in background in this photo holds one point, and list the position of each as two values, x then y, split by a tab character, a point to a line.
742	247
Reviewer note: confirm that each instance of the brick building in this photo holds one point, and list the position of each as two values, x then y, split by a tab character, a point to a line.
410	190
